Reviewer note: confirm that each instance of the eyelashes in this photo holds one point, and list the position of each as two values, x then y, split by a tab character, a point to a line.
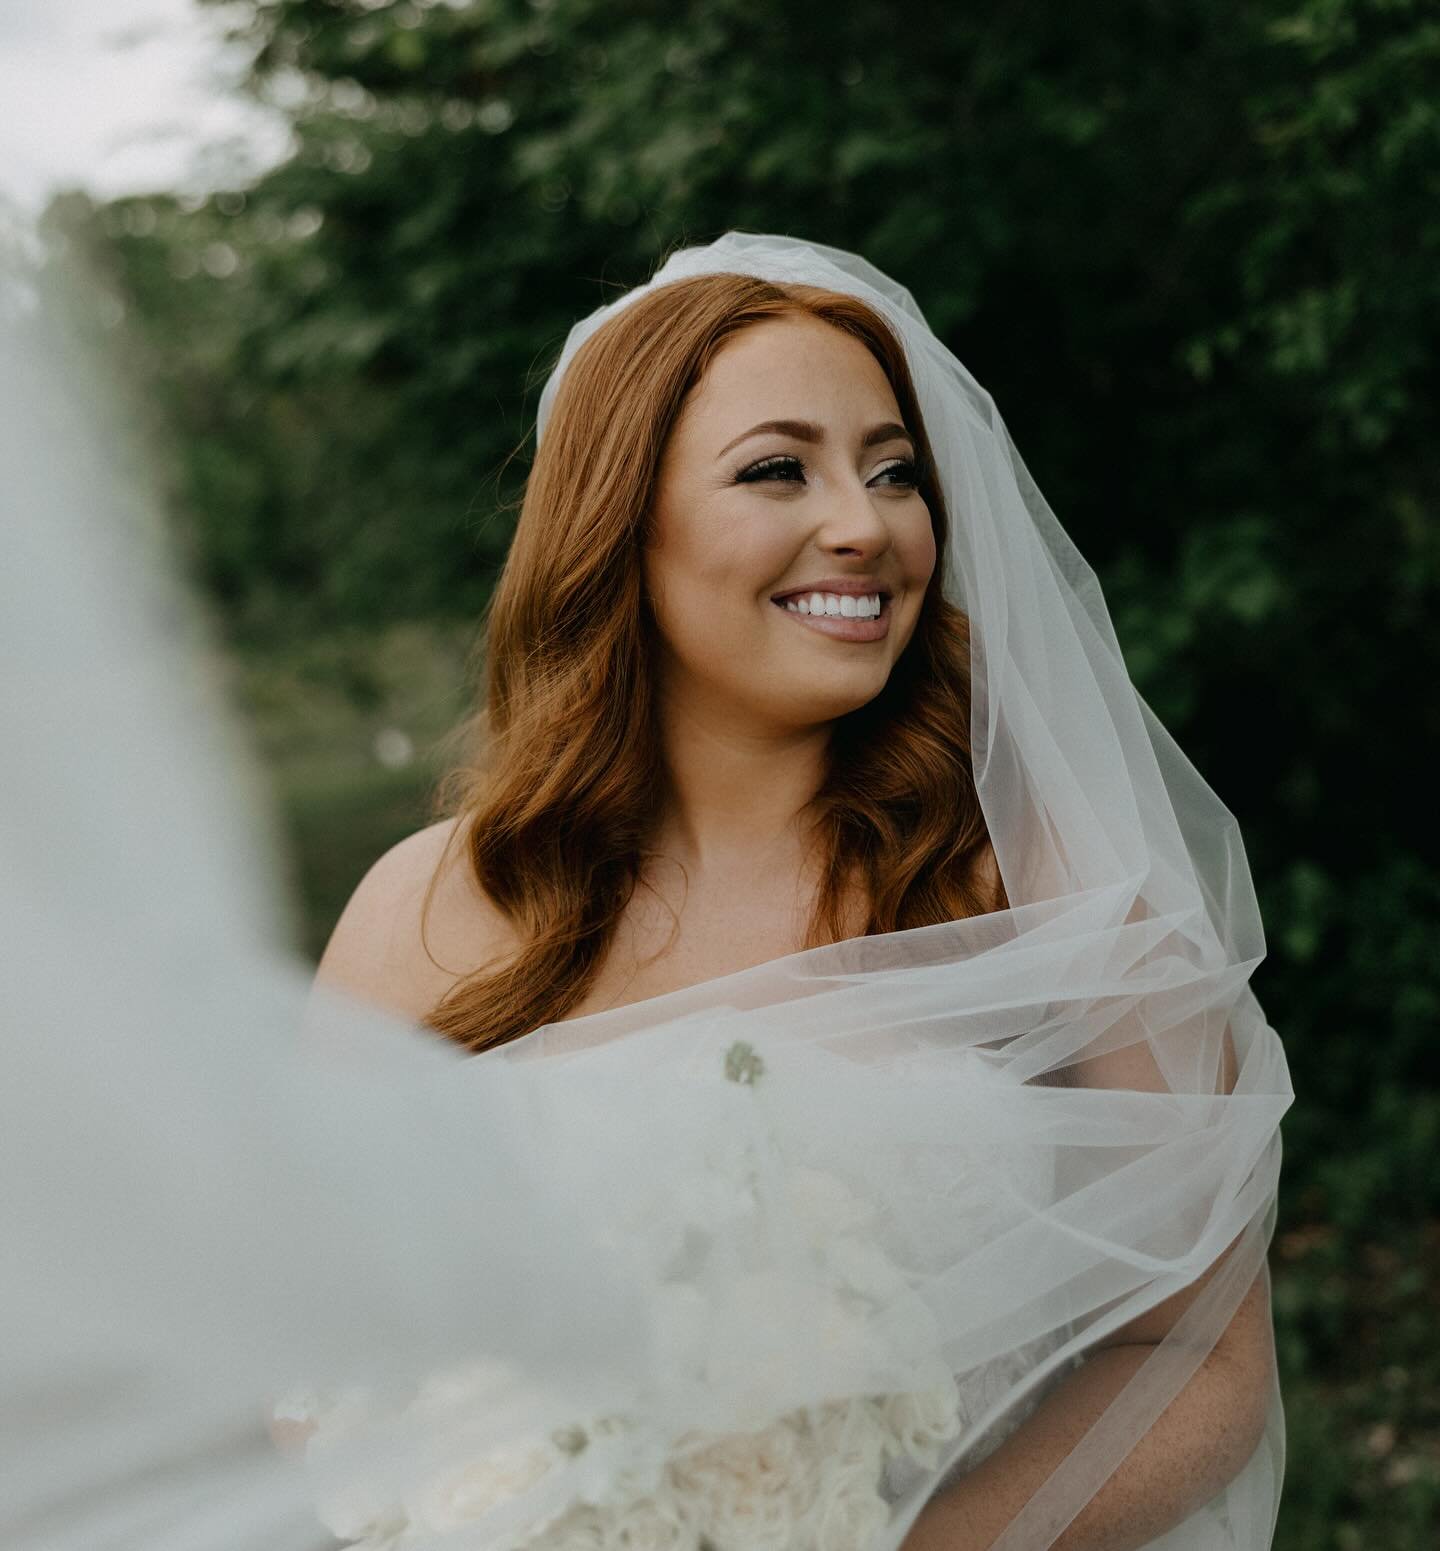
907	468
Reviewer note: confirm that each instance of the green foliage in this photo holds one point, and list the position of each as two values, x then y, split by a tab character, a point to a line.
355	729
1194	252
1360	1374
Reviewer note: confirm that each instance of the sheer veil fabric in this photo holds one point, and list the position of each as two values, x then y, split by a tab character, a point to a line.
943	1163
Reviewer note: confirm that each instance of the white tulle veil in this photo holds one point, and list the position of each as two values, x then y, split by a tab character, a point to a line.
930	1170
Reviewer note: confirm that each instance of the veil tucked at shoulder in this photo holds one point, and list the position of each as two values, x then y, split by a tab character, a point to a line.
773	1261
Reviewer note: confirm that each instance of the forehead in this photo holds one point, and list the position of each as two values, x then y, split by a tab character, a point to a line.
795	367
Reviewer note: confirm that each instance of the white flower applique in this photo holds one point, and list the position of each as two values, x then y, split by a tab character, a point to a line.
808	1480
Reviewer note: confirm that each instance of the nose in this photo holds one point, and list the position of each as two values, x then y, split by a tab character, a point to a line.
852	523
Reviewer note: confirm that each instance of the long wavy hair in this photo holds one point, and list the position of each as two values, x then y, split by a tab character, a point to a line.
562	783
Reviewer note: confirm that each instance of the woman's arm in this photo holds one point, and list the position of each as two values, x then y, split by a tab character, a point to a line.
1198	1443
1201	1441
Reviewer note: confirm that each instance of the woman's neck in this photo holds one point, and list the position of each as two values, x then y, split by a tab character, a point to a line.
737	794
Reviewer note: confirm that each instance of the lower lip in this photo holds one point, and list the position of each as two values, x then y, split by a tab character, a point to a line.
840	627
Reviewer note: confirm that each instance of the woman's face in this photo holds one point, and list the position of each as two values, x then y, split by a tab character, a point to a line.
743	517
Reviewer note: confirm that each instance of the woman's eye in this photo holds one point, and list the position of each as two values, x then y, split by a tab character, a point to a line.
906	469
768	467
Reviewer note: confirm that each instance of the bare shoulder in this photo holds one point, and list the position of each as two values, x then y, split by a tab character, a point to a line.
378	951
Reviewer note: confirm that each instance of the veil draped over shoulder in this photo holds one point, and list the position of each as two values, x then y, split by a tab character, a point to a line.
768	1262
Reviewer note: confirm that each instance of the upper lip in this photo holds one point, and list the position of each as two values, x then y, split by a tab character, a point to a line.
860	586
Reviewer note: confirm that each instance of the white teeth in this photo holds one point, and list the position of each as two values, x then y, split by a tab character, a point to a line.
846	605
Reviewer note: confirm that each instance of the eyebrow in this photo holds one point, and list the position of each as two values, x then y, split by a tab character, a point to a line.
807	431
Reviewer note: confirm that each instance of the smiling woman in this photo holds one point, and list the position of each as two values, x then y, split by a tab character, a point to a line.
928	876
918	1197
735	779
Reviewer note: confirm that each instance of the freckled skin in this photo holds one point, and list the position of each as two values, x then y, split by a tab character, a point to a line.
722	548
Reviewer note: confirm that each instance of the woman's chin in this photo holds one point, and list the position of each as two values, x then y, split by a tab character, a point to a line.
820	702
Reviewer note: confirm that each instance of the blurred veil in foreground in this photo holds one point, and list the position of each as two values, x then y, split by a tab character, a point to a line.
197	1207
759	1263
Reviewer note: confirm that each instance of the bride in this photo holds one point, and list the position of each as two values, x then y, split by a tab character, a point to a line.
804	1092
678	681
728	720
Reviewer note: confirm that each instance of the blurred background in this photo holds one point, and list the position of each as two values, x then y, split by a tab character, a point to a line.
1192	248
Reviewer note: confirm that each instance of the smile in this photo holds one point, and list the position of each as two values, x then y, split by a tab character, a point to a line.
840	626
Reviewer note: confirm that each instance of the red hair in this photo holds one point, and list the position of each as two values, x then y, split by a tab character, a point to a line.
561	788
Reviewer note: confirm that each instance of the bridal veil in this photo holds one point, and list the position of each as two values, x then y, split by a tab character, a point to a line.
905	1182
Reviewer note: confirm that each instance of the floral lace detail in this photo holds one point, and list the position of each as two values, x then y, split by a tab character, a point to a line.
823	1477
810	1481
